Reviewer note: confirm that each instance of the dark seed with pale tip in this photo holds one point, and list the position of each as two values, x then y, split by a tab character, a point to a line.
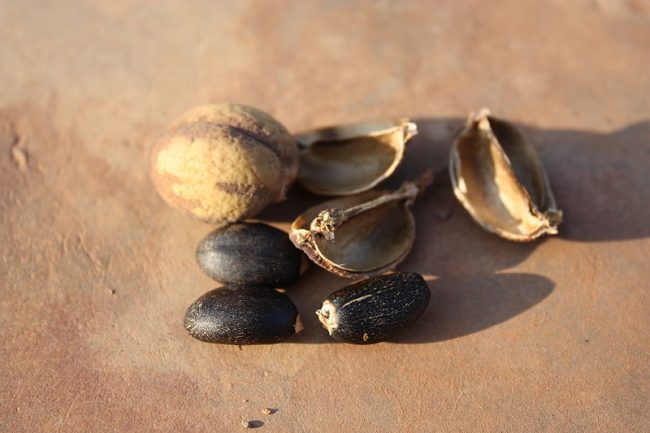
242	315
249	254
375	309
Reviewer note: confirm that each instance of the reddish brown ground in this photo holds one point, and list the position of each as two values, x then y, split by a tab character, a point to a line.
96	271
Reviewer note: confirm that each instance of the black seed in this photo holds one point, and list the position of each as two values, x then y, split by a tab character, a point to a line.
375	309
249	254
242	315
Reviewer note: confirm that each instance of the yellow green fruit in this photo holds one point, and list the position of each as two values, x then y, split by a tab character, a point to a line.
224	163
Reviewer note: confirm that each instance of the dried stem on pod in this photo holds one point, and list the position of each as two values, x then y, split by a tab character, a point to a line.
361	235
328	220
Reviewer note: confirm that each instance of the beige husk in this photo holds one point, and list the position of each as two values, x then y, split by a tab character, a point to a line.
498	177
349	159
362	235
223	163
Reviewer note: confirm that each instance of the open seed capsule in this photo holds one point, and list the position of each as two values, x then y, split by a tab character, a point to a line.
376	309
362	235
242	315
350	159
249	254
498	177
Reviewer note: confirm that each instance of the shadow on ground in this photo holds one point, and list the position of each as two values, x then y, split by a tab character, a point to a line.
600	181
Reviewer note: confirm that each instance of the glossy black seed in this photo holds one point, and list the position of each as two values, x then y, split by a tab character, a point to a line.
375	309
249	254
242	315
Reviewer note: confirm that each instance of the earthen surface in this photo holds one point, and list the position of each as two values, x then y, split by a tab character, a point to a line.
96	272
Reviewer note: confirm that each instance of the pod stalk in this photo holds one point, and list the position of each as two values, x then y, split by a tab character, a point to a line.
325	224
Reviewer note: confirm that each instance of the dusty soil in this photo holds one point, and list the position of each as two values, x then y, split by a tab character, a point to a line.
96	271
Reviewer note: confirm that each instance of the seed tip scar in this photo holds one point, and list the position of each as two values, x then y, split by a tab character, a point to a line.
298	326
327	316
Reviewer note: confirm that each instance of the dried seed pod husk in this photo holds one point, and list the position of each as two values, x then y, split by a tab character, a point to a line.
374	309
250	254
498	177
242	315
224	163
349	159
361	235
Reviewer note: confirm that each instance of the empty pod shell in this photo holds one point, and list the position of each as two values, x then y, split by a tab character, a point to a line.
349	159
361	235
499	179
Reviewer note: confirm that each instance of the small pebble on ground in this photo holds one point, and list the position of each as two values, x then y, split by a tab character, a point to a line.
252	424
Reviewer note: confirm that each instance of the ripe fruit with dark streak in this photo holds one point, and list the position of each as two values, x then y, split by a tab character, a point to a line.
224	163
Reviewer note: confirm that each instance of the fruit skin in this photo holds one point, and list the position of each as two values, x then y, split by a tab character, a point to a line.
249	254
242	315
224	163
375	309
